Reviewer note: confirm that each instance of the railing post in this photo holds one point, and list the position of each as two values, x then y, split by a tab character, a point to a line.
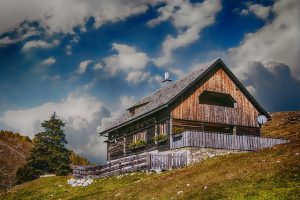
170	161
148	162
170	133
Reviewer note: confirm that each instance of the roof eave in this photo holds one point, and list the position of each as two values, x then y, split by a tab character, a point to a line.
133	120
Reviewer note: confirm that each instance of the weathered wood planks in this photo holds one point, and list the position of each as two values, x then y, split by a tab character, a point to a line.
188	108
223	141
167	161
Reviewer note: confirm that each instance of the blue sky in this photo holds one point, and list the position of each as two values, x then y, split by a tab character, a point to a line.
88	60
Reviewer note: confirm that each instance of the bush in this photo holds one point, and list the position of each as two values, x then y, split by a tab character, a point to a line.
63	170
160	138
26	173
177	130
137	144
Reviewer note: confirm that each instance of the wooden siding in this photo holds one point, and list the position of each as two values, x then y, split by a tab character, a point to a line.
166	161
116	150
145	161
114	167
189	125
188	107
223	141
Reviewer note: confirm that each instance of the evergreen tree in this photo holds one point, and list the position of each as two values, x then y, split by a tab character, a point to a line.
49	154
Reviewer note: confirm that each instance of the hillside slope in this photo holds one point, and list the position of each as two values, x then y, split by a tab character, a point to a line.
14	149
272	173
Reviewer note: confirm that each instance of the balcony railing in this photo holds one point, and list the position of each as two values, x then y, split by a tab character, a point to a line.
222	141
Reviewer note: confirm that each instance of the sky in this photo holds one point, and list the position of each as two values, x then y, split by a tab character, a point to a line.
90	60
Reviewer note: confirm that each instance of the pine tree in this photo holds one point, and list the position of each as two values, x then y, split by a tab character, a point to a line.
49	154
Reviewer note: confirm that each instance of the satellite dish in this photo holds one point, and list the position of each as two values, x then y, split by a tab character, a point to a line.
261	119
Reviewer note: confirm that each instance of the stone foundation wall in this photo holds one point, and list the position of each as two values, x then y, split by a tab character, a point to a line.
197	154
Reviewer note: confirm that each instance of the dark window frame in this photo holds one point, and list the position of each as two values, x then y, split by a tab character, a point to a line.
217	99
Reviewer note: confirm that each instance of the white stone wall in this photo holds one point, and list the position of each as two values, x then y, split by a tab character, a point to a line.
196	154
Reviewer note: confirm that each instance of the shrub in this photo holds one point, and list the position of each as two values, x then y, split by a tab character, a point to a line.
137	144
160	138
26	173
177	130
63	170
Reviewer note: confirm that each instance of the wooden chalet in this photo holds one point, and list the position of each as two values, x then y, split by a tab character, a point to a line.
209	100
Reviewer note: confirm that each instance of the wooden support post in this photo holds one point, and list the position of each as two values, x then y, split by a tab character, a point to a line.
107	152
124	145
170	161
234	132
148	158
170	132
155	131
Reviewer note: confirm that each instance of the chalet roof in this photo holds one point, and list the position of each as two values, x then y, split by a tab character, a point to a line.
165	95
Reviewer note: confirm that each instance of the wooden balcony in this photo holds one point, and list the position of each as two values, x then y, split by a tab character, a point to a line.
222	141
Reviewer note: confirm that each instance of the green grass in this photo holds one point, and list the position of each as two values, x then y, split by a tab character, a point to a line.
272	173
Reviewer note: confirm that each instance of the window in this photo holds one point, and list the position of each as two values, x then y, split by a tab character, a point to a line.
140	136
133	109
163	128
217	99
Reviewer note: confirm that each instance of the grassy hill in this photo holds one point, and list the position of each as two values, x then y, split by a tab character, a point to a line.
272	173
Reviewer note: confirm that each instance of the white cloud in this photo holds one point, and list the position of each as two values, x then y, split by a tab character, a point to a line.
63	16
277	41
97	66
39	44
137	76
189	19
178	72
68	50
82	114
83	66
20	33
156	78
6	41
259	10
126	59
124	103
245	12
48	61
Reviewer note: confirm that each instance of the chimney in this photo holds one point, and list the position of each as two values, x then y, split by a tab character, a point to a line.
166	80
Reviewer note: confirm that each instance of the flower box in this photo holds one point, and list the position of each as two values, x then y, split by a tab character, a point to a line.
137	145
161	138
